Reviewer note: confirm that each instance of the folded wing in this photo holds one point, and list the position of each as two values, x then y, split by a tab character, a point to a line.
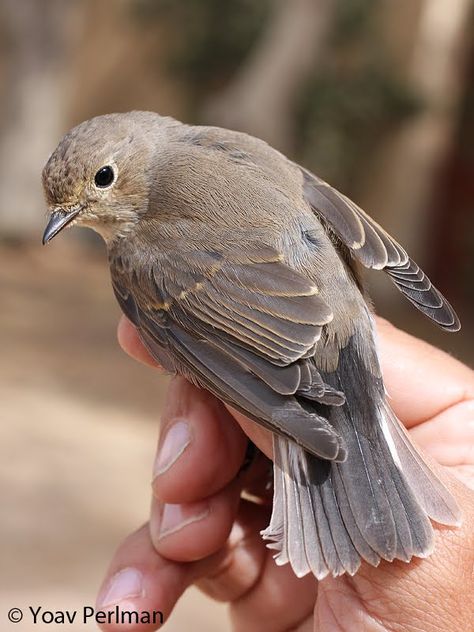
246	326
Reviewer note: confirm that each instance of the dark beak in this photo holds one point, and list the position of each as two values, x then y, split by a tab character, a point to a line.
59	219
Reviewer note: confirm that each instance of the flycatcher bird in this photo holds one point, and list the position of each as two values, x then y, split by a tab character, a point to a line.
241	271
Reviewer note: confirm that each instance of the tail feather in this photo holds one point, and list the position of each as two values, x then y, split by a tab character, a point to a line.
414	531
430	492
314	526
363	484
363	548
304	526
276	530
345	550
297	515
325	552
329	516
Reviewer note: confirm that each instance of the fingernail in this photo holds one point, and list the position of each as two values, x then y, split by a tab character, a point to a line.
126	584
176	441
175	517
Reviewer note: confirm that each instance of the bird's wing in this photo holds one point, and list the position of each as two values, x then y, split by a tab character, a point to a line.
374	248
245	325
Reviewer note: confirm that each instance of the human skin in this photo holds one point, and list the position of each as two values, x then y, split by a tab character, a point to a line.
199	533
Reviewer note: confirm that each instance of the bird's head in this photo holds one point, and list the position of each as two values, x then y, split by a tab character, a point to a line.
99	175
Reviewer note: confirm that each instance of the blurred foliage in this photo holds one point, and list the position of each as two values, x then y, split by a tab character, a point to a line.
352	99
344	115
465	165
210	38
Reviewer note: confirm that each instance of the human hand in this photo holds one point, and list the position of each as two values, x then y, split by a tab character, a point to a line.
201	532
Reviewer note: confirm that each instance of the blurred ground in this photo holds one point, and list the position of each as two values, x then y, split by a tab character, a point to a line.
78	430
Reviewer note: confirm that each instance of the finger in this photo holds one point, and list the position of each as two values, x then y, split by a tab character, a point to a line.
201	447
200	529
279	598
235	569
449	437
261	437
192	531
130	342
196	487
421	380
245	574
139	580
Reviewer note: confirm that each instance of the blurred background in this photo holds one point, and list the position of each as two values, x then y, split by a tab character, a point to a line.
376	97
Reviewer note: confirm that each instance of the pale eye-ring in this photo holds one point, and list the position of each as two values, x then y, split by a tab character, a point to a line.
104	177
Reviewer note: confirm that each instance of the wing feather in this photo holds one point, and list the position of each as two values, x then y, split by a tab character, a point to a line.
374	248
244	325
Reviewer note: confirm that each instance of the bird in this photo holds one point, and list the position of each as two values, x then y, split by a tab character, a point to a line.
242	272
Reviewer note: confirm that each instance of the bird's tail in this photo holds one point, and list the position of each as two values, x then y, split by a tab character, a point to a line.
377	504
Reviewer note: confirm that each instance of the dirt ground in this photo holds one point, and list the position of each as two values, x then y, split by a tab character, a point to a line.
78	428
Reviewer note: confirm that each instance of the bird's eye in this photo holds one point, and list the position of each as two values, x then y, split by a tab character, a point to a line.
104	177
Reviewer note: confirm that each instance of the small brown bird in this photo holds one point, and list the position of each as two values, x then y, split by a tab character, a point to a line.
240	270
